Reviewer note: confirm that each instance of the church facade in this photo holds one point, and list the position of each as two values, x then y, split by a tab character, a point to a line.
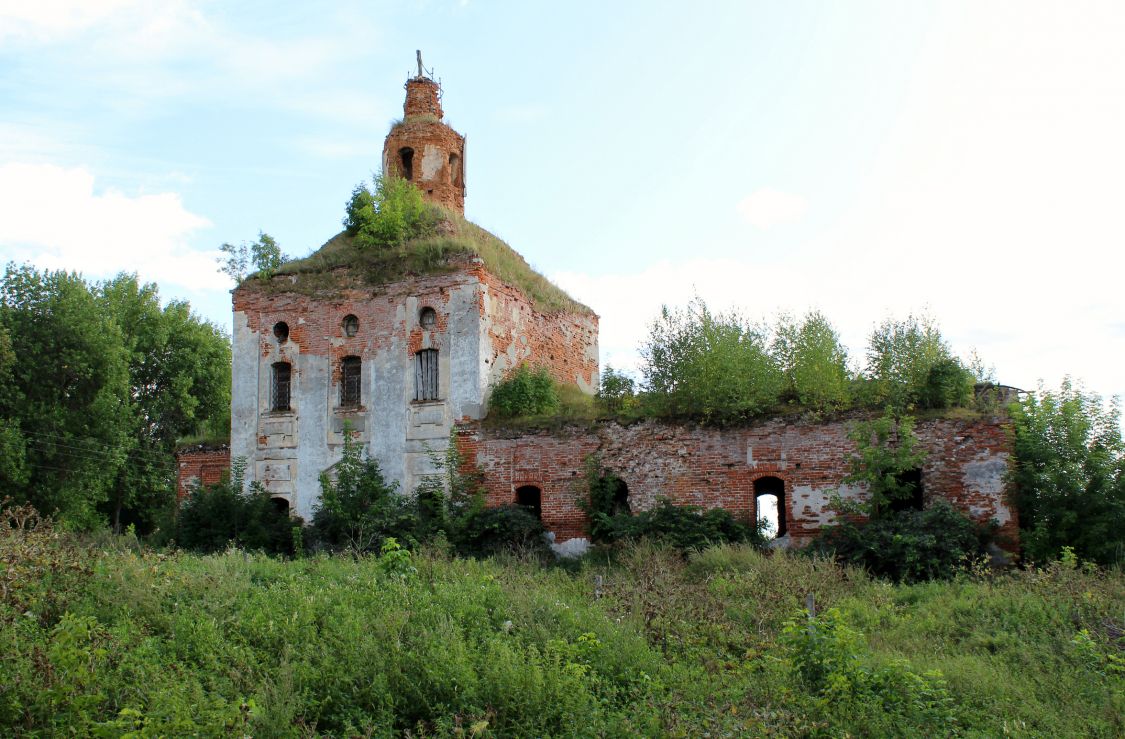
397	363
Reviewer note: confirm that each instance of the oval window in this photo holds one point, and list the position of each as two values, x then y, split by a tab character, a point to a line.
351	325
281	331
428	318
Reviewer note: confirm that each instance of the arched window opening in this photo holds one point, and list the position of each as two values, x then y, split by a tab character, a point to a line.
426	375
351	325
769	501
912	500
406	160
531	498
455	170
620	500
427	317
281	331
280	386
350	372
281	505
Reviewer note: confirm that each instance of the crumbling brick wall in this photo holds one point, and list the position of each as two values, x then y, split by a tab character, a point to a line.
481	329
966	462
565	343
201	464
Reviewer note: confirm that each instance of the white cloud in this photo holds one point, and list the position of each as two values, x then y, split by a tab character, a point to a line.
49	20
767	207
136	52
54	218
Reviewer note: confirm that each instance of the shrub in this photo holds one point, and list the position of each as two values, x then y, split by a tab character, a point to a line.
949	384
359	510
909	364
525	392
217	516
684	527
813	360
908	546
390	215
616	391
1069	475
447	497
710	366
488	531
886	448
607	496
40	566
824	654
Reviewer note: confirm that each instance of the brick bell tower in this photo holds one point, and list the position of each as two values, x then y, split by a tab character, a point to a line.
425	151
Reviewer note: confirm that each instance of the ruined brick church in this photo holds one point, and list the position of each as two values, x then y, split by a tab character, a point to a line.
407	363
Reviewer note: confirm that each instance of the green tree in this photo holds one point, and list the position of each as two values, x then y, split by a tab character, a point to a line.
179	384
813	360
96	384
525	392
1069	476
450	497
68	392
711	366
264	255
910	365
616	391
389	215
359	509
886	448
13	453
217	516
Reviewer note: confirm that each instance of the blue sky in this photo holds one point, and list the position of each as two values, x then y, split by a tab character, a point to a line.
869	159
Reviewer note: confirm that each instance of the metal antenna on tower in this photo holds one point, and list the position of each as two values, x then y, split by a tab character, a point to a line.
418	53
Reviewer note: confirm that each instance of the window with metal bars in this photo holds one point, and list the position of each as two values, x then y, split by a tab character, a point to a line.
280	386
426	375
350	370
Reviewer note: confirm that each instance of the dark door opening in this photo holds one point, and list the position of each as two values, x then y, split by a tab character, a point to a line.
912	500
531	498
406	160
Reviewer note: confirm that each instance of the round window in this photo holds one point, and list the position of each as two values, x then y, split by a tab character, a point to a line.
281	331
428	318
351	325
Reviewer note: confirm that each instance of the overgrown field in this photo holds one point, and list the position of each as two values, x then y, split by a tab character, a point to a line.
111	638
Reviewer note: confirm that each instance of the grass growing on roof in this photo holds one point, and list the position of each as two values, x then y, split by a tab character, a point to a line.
391	234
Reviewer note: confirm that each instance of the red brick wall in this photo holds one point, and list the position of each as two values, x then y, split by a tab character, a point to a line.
717	468
316	322
200	465
419	134
564	343
423	97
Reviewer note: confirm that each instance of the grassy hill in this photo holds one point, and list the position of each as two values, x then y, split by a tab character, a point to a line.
107	637
454	243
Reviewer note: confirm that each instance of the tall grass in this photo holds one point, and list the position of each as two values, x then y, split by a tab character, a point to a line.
646	642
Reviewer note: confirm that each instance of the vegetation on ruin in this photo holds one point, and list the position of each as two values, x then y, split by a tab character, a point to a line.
264	255
391	233
888	533
106	637
525	392
1069	475
359	512
721	369
97	383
